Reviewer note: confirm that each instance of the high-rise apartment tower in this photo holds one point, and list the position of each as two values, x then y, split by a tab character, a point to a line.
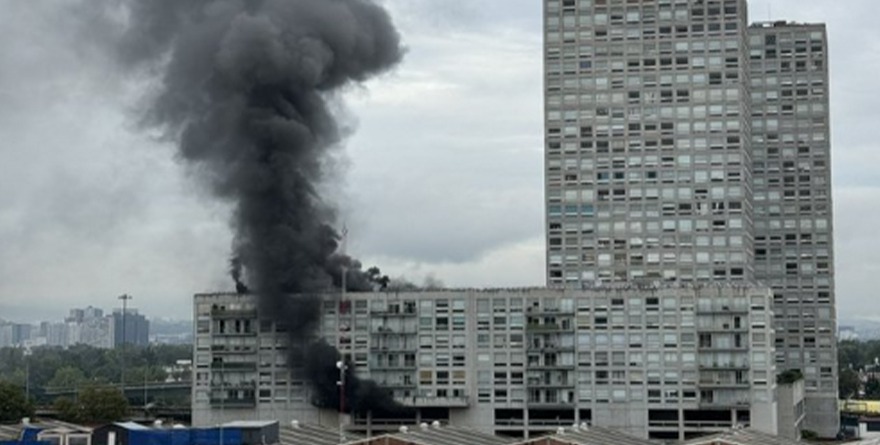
792	201
683	145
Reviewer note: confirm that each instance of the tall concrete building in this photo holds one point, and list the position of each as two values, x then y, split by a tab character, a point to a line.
668	362
682	143
794	250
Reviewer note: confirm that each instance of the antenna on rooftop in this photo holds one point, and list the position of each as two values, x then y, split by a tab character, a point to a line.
343	247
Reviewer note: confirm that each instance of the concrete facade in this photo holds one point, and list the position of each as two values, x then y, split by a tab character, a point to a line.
790	401
648	166
793	208
664	362
683	145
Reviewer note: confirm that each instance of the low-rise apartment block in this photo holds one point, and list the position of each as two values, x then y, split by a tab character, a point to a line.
663	362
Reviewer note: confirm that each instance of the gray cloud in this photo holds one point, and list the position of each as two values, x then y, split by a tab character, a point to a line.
447	152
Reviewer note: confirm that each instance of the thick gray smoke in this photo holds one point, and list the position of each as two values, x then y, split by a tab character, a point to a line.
246	88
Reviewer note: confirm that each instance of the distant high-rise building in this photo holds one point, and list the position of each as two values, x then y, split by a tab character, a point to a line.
88	326
683	145
75	316
21	333
57	334
14	334
136	328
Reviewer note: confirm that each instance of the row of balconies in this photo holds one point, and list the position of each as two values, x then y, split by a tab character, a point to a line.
397	330
548	327
734	365
230	349
234	366
400	313
232	403
435	402
233	395
219	312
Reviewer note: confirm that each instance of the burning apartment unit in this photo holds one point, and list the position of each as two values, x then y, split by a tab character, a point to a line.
663	362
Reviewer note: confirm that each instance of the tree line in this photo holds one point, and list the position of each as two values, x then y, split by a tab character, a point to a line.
55	368
92	374
856	359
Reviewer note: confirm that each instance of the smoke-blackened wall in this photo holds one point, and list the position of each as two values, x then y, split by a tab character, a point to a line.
245	91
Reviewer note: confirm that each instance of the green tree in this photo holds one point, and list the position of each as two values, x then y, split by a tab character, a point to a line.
13	404
102	404
143	374
789	376
67	409
98	366
67	377
93	405
872	389
848	383
851	353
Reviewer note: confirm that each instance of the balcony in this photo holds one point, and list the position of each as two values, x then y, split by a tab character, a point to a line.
233	395
435	402
393	367
547	327
395	385
230	333
739	309
725	366
227	350
385	330
714	404
723	329
721	384
548	311
550	347
550	384
393	348
387	313
726	348
537	403
551	366
234	313
245	402
234	366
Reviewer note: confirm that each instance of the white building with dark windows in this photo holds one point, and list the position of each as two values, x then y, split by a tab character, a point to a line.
685	146
794	251
667	362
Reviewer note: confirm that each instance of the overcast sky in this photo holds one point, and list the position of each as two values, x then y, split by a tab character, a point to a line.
443	177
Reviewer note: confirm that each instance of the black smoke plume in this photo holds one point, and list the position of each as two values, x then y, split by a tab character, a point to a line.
246	92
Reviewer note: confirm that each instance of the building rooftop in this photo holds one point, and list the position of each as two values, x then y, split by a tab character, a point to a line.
446	435
653	286
742	437
250	424
596	436
13	432
306	434
782	24
131	426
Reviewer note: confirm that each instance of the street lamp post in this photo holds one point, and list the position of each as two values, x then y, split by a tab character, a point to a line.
124	298
342	367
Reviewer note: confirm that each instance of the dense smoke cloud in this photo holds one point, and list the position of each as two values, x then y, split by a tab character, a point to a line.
246	92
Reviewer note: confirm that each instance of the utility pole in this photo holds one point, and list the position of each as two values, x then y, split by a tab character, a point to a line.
124	298
27	373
